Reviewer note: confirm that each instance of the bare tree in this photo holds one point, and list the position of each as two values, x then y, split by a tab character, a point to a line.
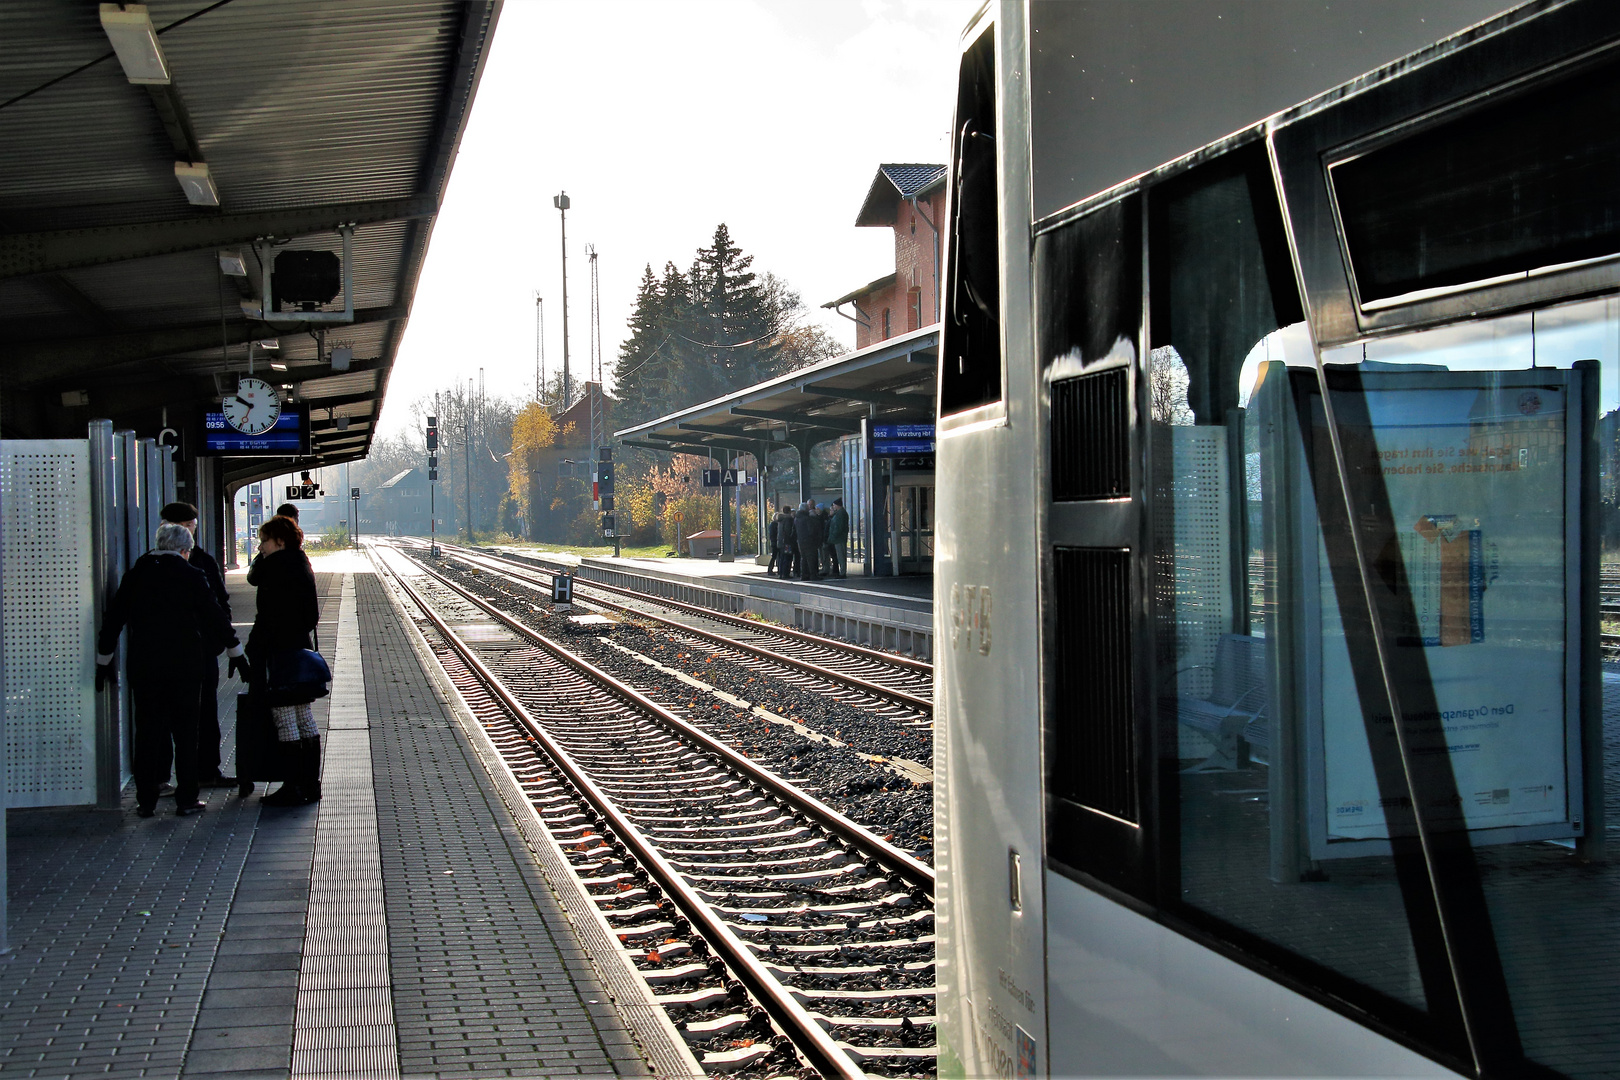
1167	388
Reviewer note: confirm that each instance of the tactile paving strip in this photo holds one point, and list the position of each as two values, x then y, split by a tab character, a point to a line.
344	1025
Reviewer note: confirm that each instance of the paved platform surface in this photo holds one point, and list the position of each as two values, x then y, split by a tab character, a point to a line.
400	928
913	587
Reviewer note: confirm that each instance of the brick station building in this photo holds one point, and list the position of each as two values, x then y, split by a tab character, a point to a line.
910	199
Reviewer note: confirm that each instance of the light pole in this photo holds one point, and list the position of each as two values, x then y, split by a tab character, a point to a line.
560	201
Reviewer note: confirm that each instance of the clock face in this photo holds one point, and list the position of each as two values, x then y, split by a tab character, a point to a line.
255	408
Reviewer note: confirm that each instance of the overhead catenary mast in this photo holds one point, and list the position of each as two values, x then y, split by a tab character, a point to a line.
561	202
539	348
596	318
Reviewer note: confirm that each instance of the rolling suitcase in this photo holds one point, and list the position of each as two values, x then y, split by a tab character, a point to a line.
259	754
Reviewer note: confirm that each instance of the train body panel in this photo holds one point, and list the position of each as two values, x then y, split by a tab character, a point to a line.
1207	803
1152	1002
986	583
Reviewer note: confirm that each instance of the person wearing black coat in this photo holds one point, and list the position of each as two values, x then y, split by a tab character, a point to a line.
208	755
807	531
177	629
288	610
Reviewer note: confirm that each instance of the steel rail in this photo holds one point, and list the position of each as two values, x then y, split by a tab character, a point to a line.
916	873
807	1034
876	655
916	701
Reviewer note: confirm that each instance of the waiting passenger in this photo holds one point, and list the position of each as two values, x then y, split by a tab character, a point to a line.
807	533
838	537
286	510
288	612
177	629
824	555
790	543
208	755
772	531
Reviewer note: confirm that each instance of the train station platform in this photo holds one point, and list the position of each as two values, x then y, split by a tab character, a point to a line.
885	612
417	922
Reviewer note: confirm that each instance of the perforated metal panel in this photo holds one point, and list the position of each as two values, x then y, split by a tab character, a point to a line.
49	622
1193	542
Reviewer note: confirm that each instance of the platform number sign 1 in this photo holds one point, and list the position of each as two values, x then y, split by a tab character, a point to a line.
970	617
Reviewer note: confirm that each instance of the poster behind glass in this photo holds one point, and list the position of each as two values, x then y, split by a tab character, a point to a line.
1483	485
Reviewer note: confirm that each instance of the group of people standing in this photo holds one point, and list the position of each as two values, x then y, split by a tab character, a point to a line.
174	602
809	543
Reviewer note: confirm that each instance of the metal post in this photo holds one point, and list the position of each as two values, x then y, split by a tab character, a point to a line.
466	457
106	569
894	522
1590	847
561	202
762	499
726	554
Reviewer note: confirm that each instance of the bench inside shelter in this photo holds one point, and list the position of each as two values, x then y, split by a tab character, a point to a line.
1234	715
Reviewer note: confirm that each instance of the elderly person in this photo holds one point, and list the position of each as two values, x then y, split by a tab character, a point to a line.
208	755
287	614
177	629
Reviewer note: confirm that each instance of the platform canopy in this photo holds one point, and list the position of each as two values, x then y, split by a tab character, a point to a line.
136	166
892	381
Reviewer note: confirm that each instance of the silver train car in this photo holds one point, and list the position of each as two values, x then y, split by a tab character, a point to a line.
1277	463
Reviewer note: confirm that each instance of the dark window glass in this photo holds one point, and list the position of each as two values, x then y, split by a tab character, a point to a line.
1088	288
1245	610
1504	188
970	362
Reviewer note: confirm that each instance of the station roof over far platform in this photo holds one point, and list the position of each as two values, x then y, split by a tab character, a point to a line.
303	117
894	380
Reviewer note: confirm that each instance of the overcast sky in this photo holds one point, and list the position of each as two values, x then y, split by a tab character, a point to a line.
661	120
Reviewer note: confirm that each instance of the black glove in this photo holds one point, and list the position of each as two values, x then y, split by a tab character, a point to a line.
238	666
106	673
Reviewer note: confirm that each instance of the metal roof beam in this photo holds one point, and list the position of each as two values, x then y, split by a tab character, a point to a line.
337	401
302	373
41	361
23	254
825	423
870	397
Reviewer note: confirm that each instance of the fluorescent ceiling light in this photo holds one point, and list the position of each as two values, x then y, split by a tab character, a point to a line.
277	367
232	264
196	182
268	343
129	28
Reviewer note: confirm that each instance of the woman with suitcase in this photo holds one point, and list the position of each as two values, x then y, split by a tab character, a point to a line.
288	611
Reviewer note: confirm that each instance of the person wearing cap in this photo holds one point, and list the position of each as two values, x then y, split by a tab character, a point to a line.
838	538
208	754
177	629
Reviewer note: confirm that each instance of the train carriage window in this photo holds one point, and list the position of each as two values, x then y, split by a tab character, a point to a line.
1243	617
970	362
1503	189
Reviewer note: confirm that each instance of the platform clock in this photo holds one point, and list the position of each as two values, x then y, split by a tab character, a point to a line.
255	407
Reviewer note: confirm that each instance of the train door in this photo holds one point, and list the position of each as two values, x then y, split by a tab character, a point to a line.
914	523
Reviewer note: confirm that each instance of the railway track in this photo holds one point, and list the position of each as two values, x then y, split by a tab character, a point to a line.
783	938
886	680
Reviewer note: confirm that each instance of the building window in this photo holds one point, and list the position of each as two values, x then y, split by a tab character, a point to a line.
885	324
914	309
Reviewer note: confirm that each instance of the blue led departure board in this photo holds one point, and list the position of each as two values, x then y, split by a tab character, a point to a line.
289	437
900	440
